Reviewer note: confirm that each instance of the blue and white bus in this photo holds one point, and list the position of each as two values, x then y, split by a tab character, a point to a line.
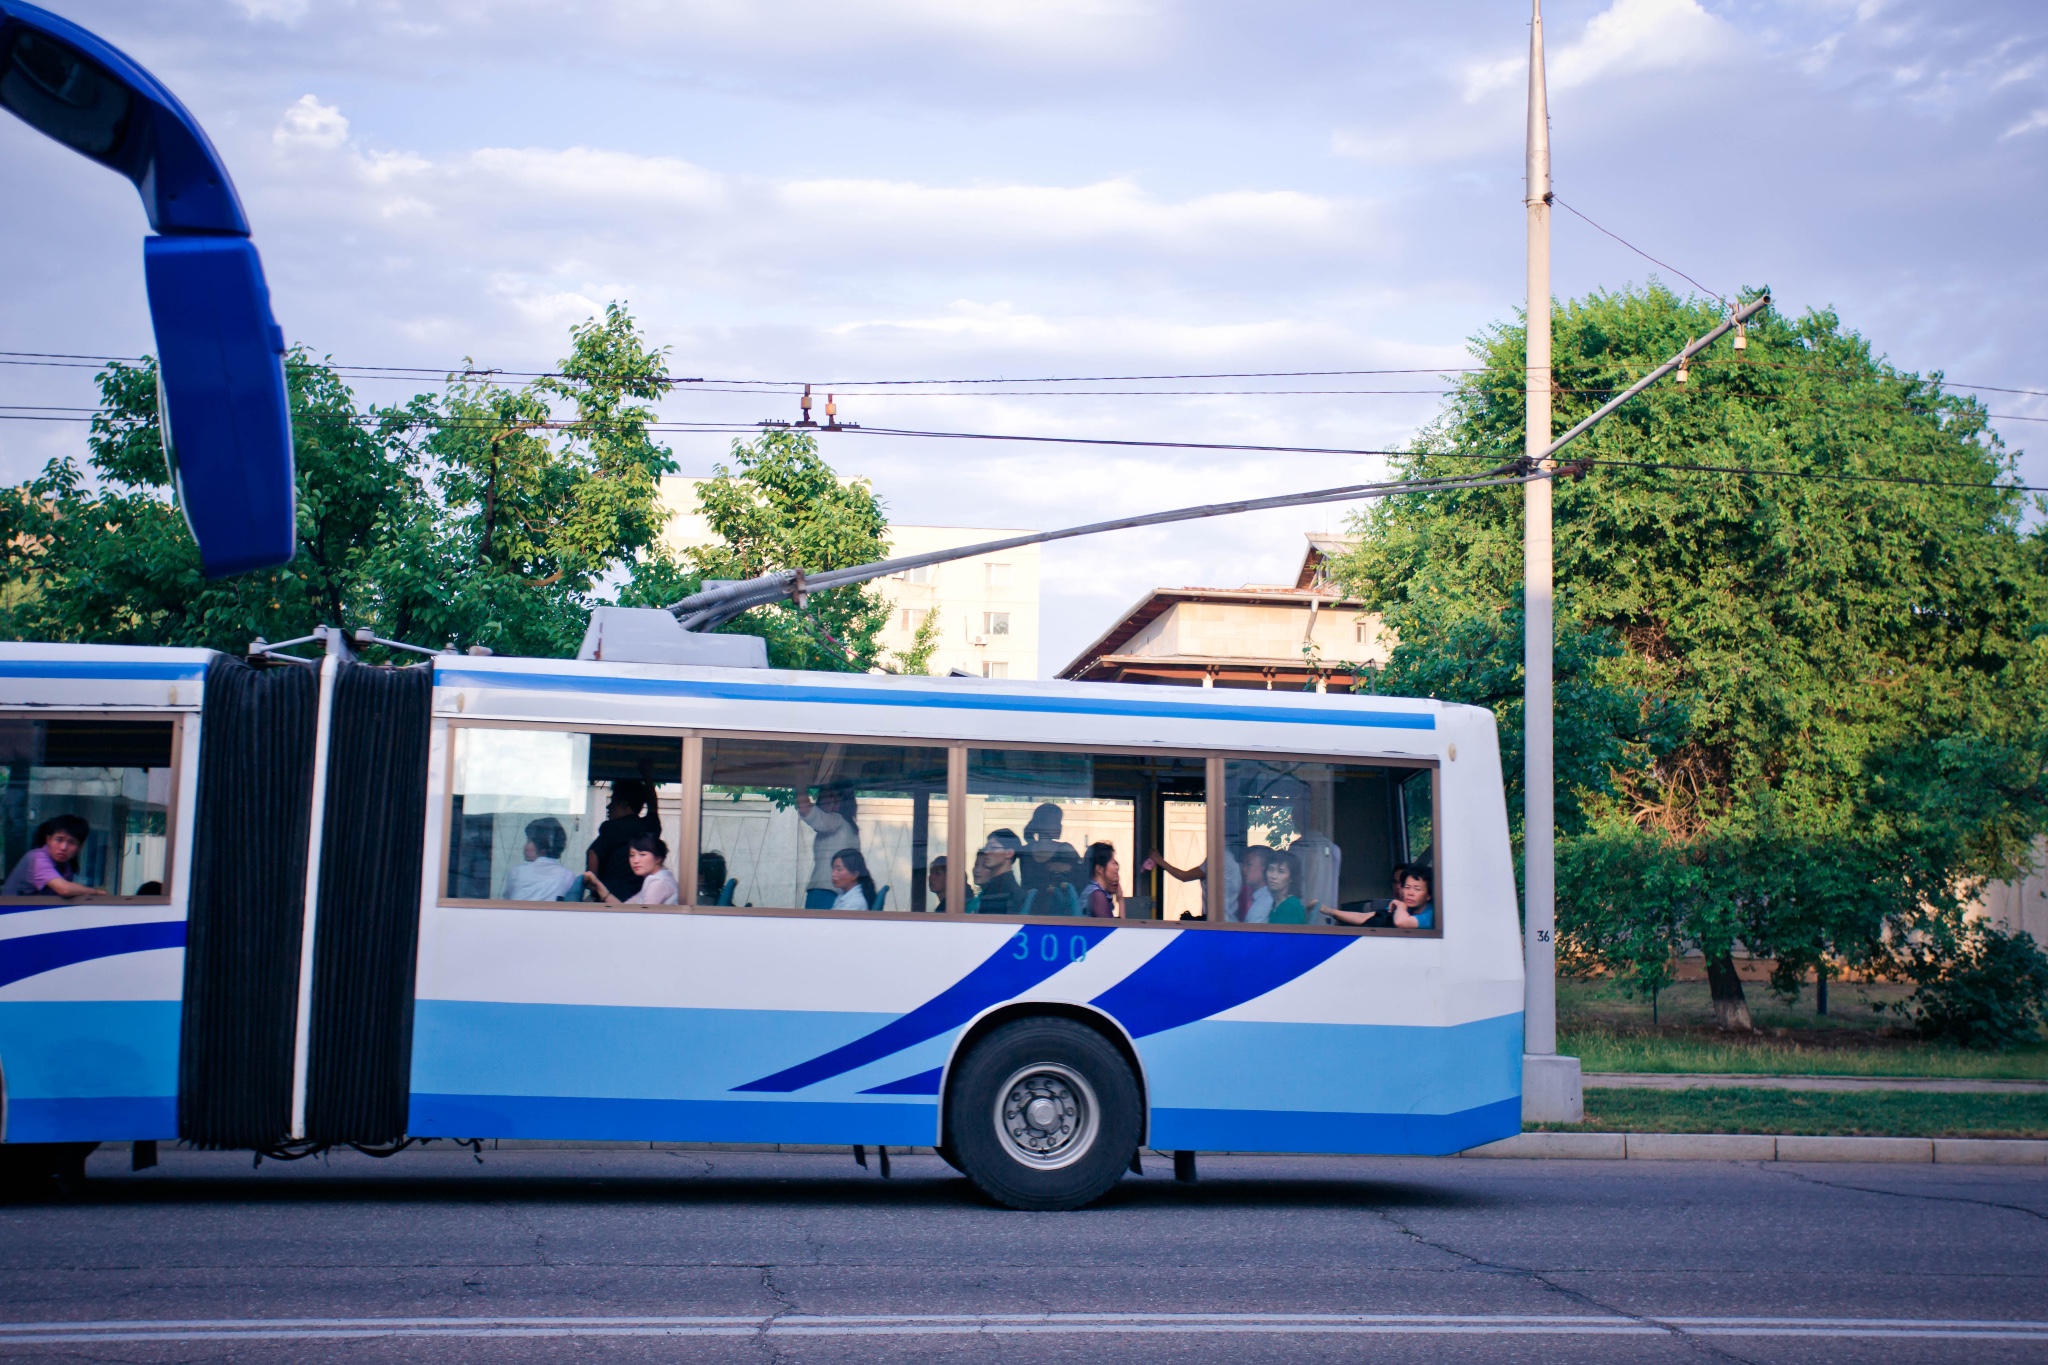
335	903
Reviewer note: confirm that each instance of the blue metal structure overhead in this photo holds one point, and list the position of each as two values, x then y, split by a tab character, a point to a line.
225	414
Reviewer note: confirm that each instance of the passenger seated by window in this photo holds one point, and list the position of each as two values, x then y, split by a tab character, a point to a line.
50	867
633	813
997	890
1255	898
711	878
1397	913
1287	907
935	881
835	821
851	880
1105	899
648	855
1414	907
542	877
150	889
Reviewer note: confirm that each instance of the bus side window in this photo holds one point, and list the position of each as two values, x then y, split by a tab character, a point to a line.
1323	843
534	810
113	777
821	825
1063	833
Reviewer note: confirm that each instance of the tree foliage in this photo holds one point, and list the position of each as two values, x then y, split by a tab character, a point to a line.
480	515
1821	721
777	507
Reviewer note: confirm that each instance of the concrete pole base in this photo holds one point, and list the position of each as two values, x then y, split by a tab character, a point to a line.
1550	1089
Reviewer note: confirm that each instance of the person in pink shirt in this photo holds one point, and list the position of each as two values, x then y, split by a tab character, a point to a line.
50	867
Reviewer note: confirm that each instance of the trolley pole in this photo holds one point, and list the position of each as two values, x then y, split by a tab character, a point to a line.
1550	1083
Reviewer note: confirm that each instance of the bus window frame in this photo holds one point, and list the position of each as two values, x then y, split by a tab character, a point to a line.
171	807
685	845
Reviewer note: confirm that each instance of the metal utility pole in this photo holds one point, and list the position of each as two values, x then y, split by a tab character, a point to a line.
1550	1083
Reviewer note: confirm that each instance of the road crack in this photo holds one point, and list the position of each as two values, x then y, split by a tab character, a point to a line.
1577	1296
1900	1194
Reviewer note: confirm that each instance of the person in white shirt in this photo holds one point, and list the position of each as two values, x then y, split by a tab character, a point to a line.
541	877
835	816
657	884
850	879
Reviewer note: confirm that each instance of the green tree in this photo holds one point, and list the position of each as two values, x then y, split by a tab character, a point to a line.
102	554
779	506
528	507
1850	675
480	515
923	644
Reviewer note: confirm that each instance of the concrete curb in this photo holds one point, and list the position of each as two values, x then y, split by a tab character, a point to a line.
1767	1147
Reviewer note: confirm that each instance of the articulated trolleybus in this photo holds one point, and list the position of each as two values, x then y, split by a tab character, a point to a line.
1038	926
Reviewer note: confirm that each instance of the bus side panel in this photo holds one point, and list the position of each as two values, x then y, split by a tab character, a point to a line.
618	1025
631	1026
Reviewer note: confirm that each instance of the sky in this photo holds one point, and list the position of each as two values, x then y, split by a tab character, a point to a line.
862	190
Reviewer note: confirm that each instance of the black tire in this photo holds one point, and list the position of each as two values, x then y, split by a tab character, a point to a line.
1068	1121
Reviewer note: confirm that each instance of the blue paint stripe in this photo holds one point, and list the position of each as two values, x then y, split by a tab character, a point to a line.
1201	974
33	954
121	1118
1026	958
102	671
923	1083
560	1117
964	700
1294	1130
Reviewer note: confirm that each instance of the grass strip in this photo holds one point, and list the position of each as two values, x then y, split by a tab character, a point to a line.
1608	1049
1854	1113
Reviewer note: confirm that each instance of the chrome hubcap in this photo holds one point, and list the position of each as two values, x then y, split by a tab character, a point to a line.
1047	1115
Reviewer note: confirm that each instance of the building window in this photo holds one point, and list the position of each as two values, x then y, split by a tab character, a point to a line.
995	668
995	623
1362	633
910	618
998	575
925	574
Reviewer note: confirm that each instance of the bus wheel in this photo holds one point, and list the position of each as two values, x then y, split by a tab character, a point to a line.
1043	1115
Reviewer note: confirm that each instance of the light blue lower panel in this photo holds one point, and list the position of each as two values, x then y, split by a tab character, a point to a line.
1294	1130
562	1117
90	1070
103	1119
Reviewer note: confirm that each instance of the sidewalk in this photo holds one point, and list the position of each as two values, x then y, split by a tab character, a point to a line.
1767	1147
1699	1080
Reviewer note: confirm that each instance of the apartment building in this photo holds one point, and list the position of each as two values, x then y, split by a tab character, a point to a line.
988	606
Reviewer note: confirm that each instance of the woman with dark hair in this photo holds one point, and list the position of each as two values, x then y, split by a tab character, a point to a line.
633	812
850	878
541	877
657	884
1282	870
50	867
1105	894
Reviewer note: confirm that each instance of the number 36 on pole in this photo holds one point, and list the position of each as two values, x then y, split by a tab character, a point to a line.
220	354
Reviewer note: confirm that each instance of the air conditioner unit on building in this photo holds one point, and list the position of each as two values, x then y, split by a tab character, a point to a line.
981	639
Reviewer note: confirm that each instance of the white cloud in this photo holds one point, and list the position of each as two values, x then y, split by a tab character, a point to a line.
1629	37
2032	123
309	123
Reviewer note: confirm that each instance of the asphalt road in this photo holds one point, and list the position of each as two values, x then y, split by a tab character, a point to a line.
714	1257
